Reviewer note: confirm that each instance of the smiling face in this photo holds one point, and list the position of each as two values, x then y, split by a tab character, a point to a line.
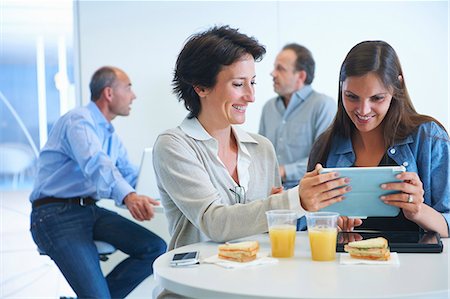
226	103
366	101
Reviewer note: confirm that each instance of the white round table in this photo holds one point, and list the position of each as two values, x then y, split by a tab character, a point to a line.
419	275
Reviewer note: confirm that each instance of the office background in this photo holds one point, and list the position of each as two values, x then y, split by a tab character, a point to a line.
144	38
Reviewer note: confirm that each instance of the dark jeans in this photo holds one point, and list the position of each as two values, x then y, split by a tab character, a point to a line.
66	232
301	224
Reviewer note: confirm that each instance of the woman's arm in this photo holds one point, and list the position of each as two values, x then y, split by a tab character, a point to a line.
411	201
318	191
186	182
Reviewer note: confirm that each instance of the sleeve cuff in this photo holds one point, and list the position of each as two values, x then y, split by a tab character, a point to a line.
121	190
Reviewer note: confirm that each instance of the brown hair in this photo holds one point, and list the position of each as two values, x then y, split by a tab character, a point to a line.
401	119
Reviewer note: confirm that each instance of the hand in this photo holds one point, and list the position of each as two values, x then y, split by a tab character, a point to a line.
347	224
276	190
410	199
350	237
140	206
317	191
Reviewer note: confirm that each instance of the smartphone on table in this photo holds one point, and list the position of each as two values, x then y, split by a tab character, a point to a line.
185	259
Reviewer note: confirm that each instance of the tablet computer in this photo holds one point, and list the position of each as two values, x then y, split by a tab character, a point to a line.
399	241
364	198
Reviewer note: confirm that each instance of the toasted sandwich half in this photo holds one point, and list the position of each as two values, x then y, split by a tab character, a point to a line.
369	249
239	252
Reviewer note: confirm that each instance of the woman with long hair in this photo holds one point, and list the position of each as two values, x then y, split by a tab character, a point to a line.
376	125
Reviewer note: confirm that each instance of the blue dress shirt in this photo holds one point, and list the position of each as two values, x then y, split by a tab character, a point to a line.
84	157
293	129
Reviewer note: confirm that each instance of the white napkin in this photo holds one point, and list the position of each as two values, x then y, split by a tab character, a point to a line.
261	259
345	259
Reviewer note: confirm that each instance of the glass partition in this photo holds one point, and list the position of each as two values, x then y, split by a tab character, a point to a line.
36	81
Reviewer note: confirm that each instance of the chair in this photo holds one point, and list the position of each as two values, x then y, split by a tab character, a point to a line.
104	249
15	158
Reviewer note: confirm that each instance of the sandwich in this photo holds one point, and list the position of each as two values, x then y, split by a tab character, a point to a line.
369	249
239	252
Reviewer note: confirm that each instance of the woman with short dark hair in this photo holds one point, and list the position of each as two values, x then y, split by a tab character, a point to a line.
216	180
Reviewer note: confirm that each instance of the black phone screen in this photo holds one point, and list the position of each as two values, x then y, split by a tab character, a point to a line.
184	256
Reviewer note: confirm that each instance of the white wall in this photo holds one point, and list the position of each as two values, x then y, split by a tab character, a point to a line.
145	37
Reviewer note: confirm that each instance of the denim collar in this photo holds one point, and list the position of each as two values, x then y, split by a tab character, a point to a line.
344	145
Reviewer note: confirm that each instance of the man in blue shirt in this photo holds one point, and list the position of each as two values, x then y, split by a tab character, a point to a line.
83	161
293	120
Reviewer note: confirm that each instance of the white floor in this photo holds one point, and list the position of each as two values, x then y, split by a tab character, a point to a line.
26	274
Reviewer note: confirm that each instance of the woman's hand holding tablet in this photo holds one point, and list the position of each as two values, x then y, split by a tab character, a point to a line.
364	198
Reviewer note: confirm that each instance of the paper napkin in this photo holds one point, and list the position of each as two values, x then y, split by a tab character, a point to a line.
261	259
345	259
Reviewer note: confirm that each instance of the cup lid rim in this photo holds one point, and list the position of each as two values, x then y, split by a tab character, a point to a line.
322	214
281	211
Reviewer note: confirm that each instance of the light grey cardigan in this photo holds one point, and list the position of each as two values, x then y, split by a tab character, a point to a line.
195	185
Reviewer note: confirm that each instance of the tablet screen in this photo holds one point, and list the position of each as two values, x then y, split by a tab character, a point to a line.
364	198
399	241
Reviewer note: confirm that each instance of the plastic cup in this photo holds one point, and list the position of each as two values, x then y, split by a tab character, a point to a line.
282	228
322	231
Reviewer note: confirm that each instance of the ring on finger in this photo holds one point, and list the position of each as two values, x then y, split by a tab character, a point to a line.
410	198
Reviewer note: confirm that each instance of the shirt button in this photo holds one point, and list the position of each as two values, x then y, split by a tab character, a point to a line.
392	151
405	164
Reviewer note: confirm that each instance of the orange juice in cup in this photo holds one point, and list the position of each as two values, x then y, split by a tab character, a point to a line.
282	226
282	239
323	244
322	231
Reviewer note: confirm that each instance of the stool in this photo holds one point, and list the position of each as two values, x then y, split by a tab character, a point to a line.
103	248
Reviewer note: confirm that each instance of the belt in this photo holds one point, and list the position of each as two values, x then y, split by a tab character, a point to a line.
82	201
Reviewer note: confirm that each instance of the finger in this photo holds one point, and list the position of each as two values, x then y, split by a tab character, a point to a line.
402	186
153	201
136	214
410	176
402	198
339	192
276	190
340	221
145	212
326	177
354	222
356	237
314	172
330	201
358	222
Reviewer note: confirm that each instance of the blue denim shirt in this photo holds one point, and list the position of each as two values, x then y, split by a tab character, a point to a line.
426	152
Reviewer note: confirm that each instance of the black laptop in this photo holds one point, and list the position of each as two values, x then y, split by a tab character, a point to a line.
399	241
